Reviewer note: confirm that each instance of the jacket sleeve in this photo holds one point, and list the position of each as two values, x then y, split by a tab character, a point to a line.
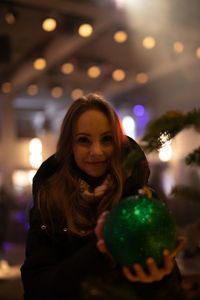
47	274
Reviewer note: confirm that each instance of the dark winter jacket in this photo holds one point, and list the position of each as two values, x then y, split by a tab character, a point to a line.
66	266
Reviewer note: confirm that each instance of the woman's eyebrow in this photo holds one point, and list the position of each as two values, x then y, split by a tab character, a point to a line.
107	132
82	133
87	134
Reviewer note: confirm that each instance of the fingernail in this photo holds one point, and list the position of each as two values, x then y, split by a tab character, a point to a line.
150	260
165	252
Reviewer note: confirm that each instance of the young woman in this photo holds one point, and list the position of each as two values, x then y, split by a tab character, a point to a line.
72	189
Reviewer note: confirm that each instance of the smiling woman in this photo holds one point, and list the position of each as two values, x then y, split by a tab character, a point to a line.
72	190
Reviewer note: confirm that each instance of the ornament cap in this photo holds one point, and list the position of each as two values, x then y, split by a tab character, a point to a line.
145	191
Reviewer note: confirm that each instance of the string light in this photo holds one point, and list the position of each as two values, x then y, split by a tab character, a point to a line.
149	42
76	93
178	47
49	24
198	52
32	89
56	92
67	68
120	36
85	30
10	17
39	63
94	72
6	87
118	75
142	78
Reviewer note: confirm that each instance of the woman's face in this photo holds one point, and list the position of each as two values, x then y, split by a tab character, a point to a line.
93	143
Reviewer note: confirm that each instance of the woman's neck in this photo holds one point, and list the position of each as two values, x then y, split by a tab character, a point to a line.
92	181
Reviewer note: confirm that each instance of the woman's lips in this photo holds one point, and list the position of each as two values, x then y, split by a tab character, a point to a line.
96	163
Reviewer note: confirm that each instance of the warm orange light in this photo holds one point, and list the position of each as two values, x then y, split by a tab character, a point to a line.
32	89
39	63
149	42
118	75
49	24
76	93
94	72
57	92
67	68
198	52
142	78
85	30
6	87
178	47
120	36
10	18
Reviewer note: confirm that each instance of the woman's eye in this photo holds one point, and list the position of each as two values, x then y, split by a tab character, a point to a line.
107	139
83	140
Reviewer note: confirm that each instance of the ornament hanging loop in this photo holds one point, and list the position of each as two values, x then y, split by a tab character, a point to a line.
145	191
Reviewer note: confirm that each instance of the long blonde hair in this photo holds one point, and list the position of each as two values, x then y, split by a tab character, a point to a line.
60	194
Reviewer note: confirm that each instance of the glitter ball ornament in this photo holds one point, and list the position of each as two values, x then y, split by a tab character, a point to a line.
138	228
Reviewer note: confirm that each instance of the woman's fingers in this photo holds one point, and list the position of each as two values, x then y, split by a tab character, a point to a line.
100	224
129	275
168	262
180	244
102	246
141	274
153	269
154	272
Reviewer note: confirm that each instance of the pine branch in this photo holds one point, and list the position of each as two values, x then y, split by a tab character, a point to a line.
169	125
193	158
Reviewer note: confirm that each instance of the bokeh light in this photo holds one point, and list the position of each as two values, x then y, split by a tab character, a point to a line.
128	124
67	68
49	24
85	30
94	72
118	75
149	42
138	110
39	63
6	87
120	36
76	93
32	89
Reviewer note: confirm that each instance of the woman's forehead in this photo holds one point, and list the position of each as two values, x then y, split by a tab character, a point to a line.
92	120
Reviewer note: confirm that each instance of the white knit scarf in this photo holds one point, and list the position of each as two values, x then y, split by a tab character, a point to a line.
88	193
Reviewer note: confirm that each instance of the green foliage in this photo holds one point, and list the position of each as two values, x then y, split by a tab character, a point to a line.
193	158
170	124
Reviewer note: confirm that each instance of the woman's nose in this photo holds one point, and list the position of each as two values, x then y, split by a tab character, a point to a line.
96	149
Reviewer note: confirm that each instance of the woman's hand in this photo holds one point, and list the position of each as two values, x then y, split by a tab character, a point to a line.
139	274
99	233
154	273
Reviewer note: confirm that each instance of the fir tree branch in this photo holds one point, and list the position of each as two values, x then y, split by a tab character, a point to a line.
170	124
193	158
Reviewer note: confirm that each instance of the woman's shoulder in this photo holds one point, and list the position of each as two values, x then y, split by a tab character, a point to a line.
130	145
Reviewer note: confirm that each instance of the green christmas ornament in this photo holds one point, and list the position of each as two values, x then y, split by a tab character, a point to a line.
138	228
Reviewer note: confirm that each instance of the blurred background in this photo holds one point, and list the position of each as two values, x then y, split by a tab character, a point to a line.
143	56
